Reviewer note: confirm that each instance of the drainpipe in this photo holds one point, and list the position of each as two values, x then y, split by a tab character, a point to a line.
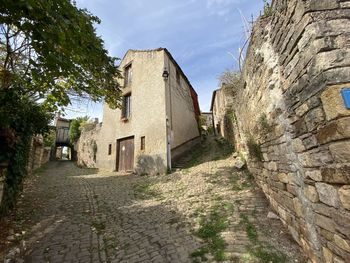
168	118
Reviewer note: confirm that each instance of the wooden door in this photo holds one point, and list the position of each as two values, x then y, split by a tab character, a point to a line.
125	157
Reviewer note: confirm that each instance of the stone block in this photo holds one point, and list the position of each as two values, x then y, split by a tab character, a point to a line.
317	5
336	130
328	194
344	255
311	193
314	118
315	159
325	222
338	260
314	175
337	175
327	235
298	208
300	127
342	223
298	145
327	255
340	151
292	189
344	196
310	142
323	209
333	104
342	243
302	109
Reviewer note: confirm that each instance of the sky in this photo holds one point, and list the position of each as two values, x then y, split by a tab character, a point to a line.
203	36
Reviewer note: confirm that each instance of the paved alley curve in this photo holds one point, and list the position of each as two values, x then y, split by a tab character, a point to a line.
72	214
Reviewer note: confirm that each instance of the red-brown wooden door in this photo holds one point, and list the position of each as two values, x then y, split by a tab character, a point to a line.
125	157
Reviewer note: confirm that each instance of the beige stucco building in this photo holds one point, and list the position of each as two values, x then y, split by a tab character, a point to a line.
158	120
220	106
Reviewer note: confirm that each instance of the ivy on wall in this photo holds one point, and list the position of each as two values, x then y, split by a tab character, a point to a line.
20	119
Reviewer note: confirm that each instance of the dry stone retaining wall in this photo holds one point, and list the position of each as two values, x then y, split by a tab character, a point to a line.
297	128
87	145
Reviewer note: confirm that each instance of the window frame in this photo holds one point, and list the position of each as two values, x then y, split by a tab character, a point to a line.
143	143
110	149
128	75
126	107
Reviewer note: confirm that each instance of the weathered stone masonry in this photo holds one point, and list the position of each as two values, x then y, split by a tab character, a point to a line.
297	63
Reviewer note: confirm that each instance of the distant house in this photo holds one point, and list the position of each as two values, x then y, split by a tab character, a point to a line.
62	137
158	120
208	123
220	105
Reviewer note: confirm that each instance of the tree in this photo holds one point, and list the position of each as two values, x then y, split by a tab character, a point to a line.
230	80
75	128
49	52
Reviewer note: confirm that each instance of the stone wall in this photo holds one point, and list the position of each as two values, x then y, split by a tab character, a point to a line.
292	123
39	154
87	145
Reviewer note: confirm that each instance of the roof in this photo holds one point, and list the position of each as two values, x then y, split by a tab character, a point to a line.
213	99
170	57
207	113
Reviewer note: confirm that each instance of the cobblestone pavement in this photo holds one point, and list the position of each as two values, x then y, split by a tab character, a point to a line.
69	214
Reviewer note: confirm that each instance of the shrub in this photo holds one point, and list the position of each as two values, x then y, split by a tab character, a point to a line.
254	149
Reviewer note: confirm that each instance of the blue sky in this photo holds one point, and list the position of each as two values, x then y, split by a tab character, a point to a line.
202	35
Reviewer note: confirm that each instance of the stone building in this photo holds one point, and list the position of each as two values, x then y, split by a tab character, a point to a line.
294	125
158	120
208	123
221	104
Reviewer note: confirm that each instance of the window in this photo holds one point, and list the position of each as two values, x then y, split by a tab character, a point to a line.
126	111
178	76
128	75
109	149
143	143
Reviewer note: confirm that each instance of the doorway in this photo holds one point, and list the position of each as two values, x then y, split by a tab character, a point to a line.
125	154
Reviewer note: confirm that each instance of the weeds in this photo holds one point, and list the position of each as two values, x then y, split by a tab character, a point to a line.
210	229
258	250
145	191
98	226
264	124
242	181
267	8
254	149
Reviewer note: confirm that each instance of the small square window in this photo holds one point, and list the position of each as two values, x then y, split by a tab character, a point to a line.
143	141
109	149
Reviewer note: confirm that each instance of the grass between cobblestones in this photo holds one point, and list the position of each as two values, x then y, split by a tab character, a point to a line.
210	229
146	190
257	249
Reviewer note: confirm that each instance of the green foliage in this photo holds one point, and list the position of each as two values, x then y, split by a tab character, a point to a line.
20	118
50	48
267	8
210	229
254	149
264	124
146	191
265	254
231	115
241	181
230	80
49	52
75	128
50	138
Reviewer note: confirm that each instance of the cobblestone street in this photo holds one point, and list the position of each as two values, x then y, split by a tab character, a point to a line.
69	214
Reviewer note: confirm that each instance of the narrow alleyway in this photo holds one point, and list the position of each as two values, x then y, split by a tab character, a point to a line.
208	211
